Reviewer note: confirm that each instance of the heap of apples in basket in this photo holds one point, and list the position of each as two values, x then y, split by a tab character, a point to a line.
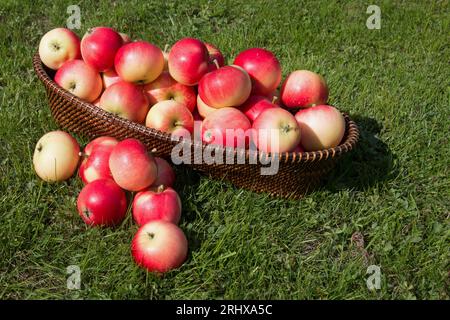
167	91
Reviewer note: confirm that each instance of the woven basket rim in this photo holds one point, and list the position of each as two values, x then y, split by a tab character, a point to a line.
351	136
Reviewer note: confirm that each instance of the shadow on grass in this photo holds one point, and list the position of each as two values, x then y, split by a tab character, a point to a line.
369	163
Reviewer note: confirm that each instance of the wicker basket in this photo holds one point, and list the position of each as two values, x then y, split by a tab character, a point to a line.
298	172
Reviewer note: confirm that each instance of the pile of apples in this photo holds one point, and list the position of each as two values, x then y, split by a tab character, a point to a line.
109	169
169	90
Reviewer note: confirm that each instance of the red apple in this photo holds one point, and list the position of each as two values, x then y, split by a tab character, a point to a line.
276	130
166	88
255	105
226	127
322	127
99	47
171	117
95	166
228	86
203	109
166	175
102	203
59	46
188	61
110	77
159	246
214	55
104	141
139	62
80	79
125	100
303	88
159	203
263	67
132	167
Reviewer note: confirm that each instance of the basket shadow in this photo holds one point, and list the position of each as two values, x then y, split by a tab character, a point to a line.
370	163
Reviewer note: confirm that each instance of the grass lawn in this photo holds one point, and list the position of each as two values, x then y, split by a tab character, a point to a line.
387	204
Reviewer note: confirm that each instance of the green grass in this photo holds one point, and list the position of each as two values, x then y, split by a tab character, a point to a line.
393	190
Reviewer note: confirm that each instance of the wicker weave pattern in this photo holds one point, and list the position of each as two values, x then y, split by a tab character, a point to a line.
298	172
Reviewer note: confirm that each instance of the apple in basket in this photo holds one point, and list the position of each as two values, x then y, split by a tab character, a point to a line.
203	109
263	67
171	117
166	88
188	61
255	105
80	79
139	62
276	130
56	156
303	88
126	100
228	86
132	166
322	127
110	77
102	203
59	46
216	59
158	203
159	246
99	47
227	127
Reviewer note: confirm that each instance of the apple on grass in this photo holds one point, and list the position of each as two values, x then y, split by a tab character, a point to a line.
171	117
80	79
276	130
56	156
159	246
203	109
255	105
160	203
139	62
99	47
126	100
166	175
102	203
103	141
95	166
216	59
132	167
303	88
226	127
322	127
188	61
59	46
263	67
228	86
166	88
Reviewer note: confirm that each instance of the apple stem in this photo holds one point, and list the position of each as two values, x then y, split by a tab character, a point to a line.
274	99
160	188
216	63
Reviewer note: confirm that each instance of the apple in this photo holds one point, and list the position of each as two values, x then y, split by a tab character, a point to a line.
99	47
159	246
59	46
102	203
161	203
56	156
322	127
298	148
263	67
104	141
275	130
80	79
303	88
166	88
227	127
188	61
203	109
125	100
166	175
171	117
139	62
125	38
214	55
95	166
255	105
132	167
110	77
228	86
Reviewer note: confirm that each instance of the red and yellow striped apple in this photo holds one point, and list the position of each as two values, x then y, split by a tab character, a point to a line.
171	117
303	88
255	105
109	77
59	46
203	109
